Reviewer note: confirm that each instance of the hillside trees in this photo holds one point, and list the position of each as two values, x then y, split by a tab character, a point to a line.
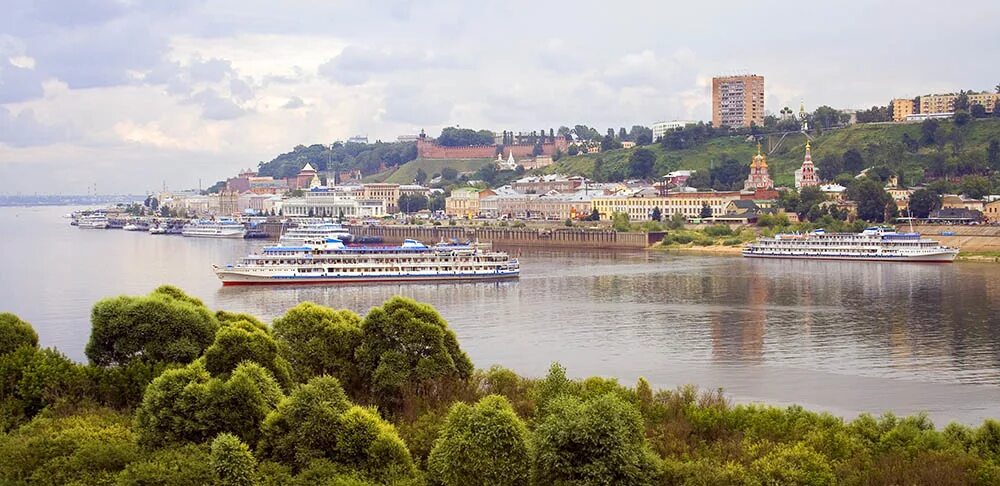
460	137
640	164
874	204
923	202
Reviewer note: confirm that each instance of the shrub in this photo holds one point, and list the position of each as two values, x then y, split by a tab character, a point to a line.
598	441
791	464
87	448
241	341
481	444
185	465
31	380
188	405
317	341
166	325
718	230
232	461
407	347
318	422
15	333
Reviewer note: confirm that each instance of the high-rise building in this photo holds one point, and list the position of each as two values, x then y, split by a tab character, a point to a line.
738	101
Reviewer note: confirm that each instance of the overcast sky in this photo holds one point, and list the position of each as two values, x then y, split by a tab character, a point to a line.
132	94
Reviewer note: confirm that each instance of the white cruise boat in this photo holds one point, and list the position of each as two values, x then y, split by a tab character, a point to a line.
314	231
219	228
92	221
872	244
331	261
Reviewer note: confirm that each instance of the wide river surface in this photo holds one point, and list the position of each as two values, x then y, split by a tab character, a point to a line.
844	337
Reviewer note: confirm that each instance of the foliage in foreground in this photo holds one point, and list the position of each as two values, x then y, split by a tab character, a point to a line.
392	399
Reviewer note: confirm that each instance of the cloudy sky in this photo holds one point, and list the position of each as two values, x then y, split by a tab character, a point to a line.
132	95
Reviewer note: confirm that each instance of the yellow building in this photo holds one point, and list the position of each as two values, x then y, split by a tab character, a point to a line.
639	206
902	108
991	211
463	203
946	103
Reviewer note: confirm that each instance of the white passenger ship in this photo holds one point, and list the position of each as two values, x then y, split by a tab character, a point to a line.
220	228
331	261
92	221
314	231
874	244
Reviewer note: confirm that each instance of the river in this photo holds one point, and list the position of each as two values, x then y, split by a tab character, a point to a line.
843	337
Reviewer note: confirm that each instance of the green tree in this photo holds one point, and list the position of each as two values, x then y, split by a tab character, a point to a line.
318	340
572	150
677	220
89	447
656	214
436	202
318	422
962	117
640	164
485	443
33	379
977	110
232	461
792	464
853	161
242	341
167	326
928	132
706	211
620	222
962	101
406	347
923	202
974	186
411	203
188	405
873	202
598	441
826	117
594	215
993	155
420	177
15	333
449	173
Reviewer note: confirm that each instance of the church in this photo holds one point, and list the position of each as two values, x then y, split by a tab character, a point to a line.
806	176
759	179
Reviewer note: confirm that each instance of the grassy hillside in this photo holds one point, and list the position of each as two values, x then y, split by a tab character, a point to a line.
405	173
879	144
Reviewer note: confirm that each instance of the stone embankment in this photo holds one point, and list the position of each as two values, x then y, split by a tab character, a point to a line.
557	238
975	239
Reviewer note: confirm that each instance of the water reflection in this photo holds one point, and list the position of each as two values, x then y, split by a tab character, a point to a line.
848	335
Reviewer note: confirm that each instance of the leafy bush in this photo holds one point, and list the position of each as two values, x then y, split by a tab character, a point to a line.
241	341
15	333
167	325
481	444
318	422
233	462
33	379
184	465
318	341
188	405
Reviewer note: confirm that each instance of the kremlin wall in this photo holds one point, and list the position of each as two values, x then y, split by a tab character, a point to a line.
429	149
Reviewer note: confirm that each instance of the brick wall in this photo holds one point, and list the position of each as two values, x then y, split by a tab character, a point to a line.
427	149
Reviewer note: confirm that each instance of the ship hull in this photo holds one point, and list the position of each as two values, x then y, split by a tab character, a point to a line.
234	234
943	257
235	278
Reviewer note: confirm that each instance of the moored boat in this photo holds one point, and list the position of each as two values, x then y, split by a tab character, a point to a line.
331	261
92	221
314	231
872	244
218	228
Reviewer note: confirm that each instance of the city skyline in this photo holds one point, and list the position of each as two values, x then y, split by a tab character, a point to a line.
134	95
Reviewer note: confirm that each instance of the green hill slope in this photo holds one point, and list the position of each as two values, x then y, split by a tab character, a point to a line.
405	173
878	144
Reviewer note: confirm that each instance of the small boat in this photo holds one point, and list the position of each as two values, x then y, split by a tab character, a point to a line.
314	231
872	244
157	230
331	261
93	221
254	234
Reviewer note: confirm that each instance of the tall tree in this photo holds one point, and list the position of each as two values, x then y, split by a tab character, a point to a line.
640	164
872	200
923	202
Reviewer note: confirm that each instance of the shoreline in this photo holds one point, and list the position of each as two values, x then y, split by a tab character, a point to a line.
730	251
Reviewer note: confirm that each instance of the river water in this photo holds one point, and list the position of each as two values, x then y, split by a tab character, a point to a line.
844	337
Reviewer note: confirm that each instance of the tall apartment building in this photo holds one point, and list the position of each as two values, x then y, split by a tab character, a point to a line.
738	101
902	108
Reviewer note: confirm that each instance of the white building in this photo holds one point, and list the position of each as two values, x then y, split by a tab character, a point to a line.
661	128
324	203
